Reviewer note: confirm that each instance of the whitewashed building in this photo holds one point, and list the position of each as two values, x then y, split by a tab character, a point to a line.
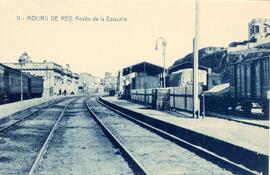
259	28
107	83
56	78
87	83
258	34
71	81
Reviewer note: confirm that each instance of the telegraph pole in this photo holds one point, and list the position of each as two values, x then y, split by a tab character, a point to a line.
196	108
164	44
22	60
21	82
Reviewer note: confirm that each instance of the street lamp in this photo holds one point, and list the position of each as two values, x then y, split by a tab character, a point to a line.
164	44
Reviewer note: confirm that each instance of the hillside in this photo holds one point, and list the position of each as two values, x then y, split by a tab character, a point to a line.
217	58
212	57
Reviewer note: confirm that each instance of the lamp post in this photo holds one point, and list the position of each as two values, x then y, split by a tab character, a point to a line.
48	79
164	44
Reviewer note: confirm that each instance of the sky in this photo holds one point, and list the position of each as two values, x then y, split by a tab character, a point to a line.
108	46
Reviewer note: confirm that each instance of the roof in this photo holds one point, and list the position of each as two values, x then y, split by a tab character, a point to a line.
184	65
10	68
27	74
143	67
247	55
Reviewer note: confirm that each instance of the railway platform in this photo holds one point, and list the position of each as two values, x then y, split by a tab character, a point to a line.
12	108
247	137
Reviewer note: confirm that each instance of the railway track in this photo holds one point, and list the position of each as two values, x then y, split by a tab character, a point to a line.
42	150
14	119
64	138
133	162
20	141
155	154
77	145
202	152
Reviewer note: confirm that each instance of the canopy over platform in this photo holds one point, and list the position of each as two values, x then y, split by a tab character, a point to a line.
143	67
184	65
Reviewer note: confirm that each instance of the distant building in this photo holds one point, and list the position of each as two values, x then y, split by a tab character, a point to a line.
107	83
57	80
258	29
258	34
71	81
87	83
97	82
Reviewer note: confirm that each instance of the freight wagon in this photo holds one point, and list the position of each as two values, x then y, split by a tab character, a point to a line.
10	85
249	83
35	85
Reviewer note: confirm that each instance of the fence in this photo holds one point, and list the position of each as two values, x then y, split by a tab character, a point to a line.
180	98
142	95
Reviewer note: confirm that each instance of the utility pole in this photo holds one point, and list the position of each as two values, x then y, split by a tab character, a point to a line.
21	82
196	108
22	60
164	44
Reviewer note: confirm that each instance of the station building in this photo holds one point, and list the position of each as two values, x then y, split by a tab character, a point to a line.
58	80
143	75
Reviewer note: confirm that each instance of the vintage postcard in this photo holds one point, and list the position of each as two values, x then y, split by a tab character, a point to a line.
112	87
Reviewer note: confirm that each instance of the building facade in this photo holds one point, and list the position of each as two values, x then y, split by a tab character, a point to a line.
258	34
57	80
87	83
107	83
258	28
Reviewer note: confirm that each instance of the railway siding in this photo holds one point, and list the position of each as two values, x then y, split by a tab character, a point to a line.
235	141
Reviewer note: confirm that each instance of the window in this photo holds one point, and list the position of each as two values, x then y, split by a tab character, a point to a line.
256	29
265	29
251	31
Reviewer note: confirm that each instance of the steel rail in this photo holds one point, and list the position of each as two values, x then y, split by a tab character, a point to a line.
204	153
28	115
136	167
42	150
